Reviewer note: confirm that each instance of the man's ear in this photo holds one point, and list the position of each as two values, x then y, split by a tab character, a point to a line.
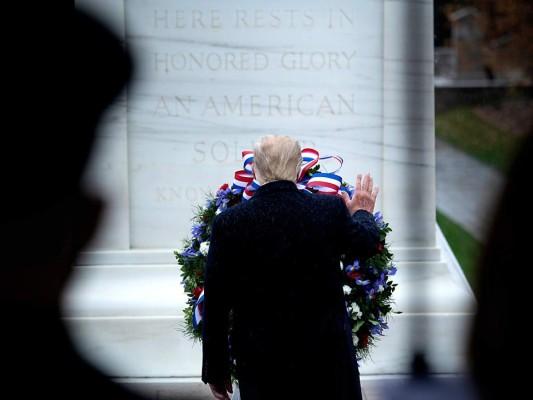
253	171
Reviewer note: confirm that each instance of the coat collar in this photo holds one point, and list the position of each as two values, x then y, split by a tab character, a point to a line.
275	187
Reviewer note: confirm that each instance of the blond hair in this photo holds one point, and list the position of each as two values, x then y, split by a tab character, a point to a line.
277	158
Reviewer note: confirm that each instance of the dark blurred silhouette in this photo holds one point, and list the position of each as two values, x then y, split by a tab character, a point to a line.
47	216
498	343
499	337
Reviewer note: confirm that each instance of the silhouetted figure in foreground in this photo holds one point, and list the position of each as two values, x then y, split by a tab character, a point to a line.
499	337
47	217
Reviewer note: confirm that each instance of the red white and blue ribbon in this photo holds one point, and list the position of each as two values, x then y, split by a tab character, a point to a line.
243	180
319	182
198	308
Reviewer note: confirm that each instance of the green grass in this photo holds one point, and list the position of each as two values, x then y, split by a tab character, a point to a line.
489	144
463	129
466	248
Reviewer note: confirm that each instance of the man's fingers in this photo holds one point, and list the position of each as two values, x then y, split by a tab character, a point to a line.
358	182
219	391
370	183
366	182
229	387
375	192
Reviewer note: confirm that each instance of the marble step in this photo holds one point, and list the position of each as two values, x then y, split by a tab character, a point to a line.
126	319
126	347
155	290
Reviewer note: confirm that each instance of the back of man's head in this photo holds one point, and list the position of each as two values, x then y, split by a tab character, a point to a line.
277	158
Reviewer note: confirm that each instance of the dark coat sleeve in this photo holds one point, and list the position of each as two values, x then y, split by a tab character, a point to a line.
362	236
216	308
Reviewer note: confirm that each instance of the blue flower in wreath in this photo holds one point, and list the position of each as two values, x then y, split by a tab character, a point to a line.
190	253
361	282
379	220
352	270
197	230
223	198
381	282
378	328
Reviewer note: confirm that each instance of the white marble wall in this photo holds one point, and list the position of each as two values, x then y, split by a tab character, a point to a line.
409	139
350	78
213	79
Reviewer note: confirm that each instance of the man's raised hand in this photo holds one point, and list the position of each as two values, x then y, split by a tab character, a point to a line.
365	195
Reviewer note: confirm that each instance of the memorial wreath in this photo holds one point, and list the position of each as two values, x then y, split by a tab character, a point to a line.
368	286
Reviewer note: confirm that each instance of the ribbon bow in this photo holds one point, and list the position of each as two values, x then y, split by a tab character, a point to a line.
318	182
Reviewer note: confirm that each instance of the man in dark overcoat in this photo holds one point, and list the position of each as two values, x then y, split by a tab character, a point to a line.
274	273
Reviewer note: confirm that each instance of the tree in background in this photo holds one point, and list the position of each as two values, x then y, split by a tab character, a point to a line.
507	50
509	37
